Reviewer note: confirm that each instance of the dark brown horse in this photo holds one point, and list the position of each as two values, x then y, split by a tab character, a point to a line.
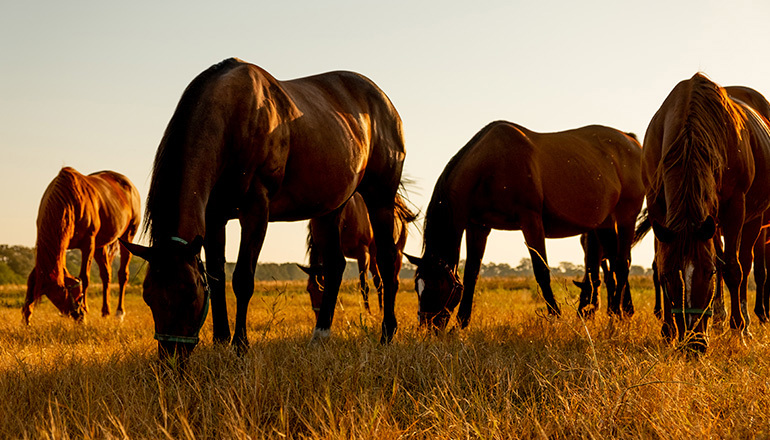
596	258
546	185
244	145
357	241
88	213
706	169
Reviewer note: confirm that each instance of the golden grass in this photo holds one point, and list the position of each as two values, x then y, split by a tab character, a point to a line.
514	373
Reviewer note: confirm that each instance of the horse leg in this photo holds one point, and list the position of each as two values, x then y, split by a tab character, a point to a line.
760	277
104	262
589	298
363	268
253	219
746	256
30	300
125	260
766	289
534	235
621	268
657	310
86	254
718	305
731	219
333	267
382	217
610	246
476	242
214	243
375	270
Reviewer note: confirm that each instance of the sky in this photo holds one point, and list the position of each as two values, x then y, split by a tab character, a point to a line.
93	85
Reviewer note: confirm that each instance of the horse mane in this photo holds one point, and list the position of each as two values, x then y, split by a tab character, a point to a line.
439	213
165	183
696	158
66	193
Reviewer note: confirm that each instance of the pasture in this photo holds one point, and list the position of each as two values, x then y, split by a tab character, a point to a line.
515	373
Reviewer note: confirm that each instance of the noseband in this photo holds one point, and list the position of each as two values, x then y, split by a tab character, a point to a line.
194	338
684	310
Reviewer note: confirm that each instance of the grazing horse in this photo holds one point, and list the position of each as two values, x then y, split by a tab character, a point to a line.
88	213
546	185
706	168
244	145
357	241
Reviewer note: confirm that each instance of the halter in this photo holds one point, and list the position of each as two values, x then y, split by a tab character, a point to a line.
683	310
191	339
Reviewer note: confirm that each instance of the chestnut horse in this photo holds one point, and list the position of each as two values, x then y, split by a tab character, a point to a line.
546	185
706	168
244	145
357	241
88	213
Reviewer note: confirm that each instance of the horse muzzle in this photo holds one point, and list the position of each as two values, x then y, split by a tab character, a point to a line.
434	320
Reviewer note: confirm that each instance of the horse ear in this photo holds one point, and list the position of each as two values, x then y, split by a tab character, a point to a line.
414	260
707	229
195	246
580	284
305	269
662	233
138	250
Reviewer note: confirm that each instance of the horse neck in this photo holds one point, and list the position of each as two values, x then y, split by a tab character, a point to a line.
55	230
442	234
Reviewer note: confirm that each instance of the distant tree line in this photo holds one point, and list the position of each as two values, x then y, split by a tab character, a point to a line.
16	262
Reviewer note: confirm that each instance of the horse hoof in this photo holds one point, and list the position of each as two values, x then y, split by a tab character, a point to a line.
120	315
320	335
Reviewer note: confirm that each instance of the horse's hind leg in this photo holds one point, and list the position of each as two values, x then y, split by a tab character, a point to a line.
103	258
534	235
589	297
476	243
363	268
375	270
382	216
760	276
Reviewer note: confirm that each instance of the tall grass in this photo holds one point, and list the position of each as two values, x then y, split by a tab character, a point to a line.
515	373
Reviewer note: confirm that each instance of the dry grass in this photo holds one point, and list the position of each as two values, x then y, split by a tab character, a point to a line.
514	374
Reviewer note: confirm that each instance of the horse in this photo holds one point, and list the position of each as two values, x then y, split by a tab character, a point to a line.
242	144
547	185
357	241
706	172
89	213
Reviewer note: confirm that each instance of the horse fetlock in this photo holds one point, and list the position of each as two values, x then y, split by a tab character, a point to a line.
320	335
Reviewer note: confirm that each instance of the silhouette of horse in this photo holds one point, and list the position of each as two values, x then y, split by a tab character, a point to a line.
88	213
546	185
596	258
244	145
706	169
357	241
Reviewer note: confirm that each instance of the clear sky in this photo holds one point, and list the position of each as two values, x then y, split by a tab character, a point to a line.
92	85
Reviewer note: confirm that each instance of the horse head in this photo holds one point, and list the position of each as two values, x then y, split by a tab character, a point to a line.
315	286
68	297
439	290
687	265
176	289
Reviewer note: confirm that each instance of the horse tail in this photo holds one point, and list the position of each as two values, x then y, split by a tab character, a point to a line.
643	226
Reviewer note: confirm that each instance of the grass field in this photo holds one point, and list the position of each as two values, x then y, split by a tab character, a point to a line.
514	373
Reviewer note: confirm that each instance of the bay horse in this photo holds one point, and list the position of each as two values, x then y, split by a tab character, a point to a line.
706	170
595	259
89	213
242	144
547	185
357	241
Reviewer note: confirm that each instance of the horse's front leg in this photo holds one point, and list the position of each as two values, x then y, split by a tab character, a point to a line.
87	255
363	268
253	219
731	220
333	266
214	244
746	256
534	235
476	243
